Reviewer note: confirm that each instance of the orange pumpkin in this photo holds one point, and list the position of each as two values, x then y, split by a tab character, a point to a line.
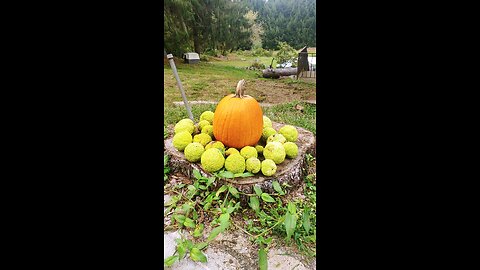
238	119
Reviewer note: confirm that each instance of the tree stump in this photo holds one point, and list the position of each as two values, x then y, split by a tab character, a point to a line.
291	171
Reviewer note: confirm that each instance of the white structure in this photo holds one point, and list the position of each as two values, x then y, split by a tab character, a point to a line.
191	58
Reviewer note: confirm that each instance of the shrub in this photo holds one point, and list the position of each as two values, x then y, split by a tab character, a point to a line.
287	53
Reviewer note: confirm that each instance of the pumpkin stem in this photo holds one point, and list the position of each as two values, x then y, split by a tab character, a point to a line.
240	89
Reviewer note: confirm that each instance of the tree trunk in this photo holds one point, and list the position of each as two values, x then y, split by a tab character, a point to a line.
196	41
277	72
291	171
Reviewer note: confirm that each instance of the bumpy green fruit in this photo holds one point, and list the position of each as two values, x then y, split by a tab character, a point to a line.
203	123
253	165
235	163
290	133
248	152
202	138
275	152
186	120
212	160
216	144
291	149
184	126
266	122
277	138
181	140
231	151
259	148
208	129
193	151
268	167
207	115
267	132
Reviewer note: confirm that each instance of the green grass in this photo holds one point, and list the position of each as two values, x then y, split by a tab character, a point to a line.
286	113
238	62
211	81
203	81
282	113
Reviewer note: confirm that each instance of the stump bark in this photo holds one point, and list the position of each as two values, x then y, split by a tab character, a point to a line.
276	73
291	171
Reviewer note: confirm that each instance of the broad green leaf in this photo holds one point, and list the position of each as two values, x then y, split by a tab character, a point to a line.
254	203
226	174
306	219
220	190
210	180
207	206
214	233
266	197
223	219
201	245
189	223
262	259
209	198
170	260
238	175
188	244
292	208
277	188
187	206
173	200
290	224
268	240
182	250
179	218
197	255
247	174
198	231
233	191
258	190
202	187
165	160
232	208
197	174
191	187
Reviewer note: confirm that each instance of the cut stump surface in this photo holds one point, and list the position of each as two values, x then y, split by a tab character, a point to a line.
291	171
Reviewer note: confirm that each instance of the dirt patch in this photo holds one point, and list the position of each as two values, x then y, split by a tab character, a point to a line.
278	91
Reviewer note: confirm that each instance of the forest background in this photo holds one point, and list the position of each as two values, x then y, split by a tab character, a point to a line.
218	27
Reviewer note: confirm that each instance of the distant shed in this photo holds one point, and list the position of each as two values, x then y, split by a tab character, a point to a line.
191	58
307	62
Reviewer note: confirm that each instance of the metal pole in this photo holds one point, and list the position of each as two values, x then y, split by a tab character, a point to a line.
179	83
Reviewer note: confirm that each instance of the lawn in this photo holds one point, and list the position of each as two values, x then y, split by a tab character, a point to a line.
211	81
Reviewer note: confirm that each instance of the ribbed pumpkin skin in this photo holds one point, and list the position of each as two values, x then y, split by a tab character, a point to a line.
238	122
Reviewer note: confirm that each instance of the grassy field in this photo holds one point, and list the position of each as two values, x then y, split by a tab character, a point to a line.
211	81
282	113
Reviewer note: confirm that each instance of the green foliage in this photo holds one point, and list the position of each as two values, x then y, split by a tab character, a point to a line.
268	214
257	65
206	26
287	53
200	25
197	255
289	21
262	259
261	52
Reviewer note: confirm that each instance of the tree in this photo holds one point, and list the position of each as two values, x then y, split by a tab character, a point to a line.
256	28
287	53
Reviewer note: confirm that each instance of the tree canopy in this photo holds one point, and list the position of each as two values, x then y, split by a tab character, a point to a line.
220	26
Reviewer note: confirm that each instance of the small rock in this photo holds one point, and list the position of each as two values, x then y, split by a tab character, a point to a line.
278	260
169	243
